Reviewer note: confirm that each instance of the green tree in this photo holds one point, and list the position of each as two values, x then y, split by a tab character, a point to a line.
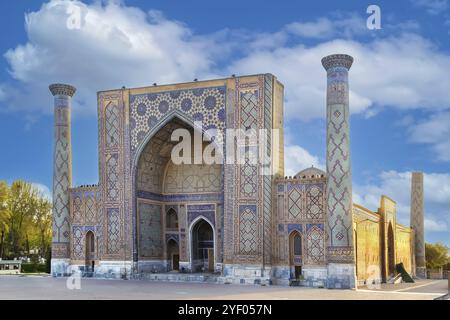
25	220
42	225
436	255
20	206
4	215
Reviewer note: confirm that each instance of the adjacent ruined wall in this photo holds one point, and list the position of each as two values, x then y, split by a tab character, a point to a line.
367	245
404	248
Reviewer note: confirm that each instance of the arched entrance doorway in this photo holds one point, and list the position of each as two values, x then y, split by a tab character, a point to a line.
163	186
173	255
90	251
295	254
391	251
202	237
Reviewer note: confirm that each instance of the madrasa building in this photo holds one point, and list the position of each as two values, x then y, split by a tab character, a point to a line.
246	222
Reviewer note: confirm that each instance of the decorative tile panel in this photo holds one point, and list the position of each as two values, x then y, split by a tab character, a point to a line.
113	218
248	230
200	104
150	230
315	244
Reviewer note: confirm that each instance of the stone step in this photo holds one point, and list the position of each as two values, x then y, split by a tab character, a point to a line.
179	277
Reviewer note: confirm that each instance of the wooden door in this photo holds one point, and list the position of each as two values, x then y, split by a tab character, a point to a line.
176	262
211	260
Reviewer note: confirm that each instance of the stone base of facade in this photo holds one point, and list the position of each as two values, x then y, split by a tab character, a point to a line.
245	274
152	266
185	266
333	276
113	269
180	277
315	276
341	276
60	267
312	276
421	272
281	275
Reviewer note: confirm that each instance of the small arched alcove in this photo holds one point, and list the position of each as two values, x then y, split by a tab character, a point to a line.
295	253
202	237
171	219
90	251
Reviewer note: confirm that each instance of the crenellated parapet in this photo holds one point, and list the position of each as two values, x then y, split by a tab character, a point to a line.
337	60
62	89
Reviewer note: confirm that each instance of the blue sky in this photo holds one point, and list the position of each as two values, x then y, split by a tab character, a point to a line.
399	82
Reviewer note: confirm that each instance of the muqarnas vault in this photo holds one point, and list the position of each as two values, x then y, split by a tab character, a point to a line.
150	218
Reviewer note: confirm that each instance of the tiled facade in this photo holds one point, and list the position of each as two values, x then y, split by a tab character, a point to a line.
149	215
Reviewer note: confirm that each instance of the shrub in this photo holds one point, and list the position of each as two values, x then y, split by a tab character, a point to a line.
48	260
33	267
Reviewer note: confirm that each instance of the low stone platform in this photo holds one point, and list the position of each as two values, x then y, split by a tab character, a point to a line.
198	278
179	277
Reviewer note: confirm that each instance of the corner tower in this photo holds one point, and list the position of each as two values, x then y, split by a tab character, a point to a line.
417	222
62	177
340	249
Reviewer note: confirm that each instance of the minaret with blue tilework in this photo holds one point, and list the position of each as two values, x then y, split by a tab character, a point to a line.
340	249
62	178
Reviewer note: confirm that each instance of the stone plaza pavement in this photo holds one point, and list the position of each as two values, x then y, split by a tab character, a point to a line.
48	288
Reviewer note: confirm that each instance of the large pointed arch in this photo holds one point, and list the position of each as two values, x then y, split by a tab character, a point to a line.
174	119
174	114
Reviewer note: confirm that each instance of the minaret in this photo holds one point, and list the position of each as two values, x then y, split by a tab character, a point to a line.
340	249
62	178
417	222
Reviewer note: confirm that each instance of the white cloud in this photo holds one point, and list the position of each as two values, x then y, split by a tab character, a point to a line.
385	73
115	46
434	131
119	45
43	189
397	186
435	226
325	28
298	158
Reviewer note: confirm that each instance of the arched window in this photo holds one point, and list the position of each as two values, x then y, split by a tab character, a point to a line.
90	242
297	245
171	219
